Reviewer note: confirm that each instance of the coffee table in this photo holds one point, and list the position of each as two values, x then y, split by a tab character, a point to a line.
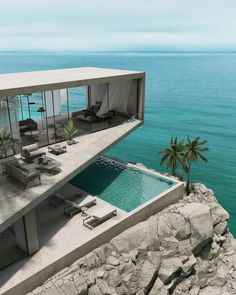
47	164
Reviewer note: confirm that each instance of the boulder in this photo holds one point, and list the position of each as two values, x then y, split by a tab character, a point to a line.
199	217
158	288
170	243
169	268
68	287
114	278
92	260
104	288
155	259
130	239
220	277
146	274
194	290
163	229
181	227
210	291
188	266
94	290
219	214
80	284
111	260
221	228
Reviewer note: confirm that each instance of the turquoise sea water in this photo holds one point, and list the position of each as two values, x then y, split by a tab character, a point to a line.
186	94
121	186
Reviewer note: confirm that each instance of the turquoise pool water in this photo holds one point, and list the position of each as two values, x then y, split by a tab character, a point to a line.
120	185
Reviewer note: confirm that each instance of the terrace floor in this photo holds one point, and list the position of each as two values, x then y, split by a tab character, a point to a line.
62	240
16	202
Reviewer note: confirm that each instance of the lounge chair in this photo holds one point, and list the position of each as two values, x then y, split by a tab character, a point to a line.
69	191
99	216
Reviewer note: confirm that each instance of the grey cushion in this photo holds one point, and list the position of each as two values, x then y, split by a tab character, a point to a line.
31	147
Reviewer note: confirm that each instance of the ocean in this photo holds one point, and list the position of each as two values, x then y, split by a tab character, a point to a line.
186	94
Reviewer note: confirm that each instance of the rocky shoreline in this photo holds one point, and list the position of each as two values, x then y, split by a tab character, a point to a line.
184	249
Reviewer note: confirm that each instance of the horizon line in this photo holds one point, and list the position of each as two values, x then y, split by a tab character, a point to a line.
118	51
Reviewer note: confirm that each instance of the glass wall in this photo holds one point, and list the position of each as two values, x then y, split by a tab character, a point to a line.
9	126
41	117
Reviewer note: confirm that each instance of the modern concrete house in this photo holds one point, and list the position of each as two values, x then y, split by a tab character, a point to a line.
105	105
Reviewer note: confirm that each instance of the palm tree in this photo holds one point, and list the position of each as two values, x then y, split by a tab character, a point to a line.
194	152
174	155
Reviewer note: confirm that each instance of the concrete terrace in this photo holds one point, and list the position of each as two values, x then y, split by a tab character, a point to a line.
16	202
62	240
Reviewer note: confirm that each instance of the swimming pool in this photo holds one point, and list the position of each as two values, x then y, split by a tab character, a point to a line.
123	186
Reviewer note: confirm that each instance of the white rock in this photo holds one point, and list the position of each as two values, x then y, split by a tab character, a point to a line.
114	278
198	215
169	267
80	284
219	214
170	243
220	278
145	274
210	291
221	228
130	239
194	291
189	265
94	290
155	259
158	288
111	260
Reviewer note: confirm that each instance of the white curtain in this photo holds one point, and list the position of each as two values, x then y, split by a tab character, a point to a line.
59	97
119	97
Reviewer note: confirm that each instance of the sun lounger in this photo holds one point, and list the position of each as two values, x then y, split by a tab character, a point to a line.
69	191
98	216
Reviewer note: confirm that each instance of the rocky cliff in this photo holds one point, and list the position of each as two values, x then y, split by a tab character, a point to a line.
184	249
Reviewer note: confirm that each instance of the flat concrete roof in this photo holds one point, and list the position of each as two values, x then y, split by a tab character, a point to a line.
29	82
16	202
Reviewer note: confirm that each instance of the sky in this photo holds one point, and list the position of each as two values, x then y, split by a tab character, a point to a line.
121	25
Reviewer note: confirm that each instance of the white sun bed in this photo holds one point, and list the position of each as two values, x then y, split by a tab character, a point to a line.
98	216
68	191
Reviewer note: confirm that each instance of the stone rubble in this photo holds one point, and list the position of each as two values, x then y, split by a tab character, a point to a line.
186	249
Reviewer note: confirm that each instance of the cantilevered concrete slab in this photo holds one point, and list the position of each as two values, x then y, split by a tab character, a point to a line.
16	202
29	82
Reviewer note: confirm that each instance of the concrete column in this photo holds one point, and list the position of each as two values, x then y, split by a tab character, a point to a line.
26	234
141	86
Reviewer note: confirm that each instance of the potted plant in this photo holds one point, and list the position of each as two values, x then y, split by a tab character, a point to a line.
70	131
6	143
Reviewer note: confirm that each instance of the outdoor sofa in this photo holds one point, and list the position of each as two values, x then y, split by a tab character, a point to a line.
31	152
21	174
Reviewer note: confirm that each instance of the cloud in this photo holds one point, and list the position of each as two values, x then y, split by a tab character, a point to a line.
121	25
